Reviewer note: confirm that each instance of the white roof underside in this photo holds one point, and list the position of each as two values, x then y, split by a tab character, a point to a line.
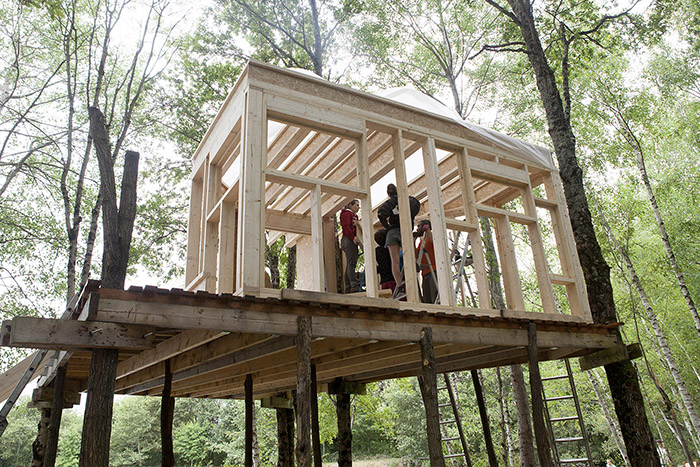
528	152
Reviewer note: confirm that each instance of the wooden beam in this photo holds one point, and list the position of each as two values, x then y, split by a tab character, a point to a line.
58	334
288	222
363	177
610	355
317	268
428	387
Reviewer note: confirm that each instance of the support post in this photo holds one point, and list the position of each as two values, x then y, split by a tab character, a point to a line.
303	449
167	410
97	424
315	429
342	411
55	420
285	437
428	387
39	444
249	416
493	461
544	452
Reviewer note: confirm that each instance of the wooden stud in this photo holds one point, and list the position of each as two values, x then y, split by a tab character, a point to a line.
363	177
409	255
540	258
317	267
541	436
467	186
437	219
509	264
194	230
251	236
428	386
303	448
227	249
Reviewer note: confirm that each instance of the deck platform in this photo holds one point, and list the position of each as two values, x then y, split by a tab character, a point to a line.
214	341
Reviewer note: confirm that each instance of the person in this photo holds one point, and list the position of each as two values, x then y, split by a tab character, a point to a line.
426	261
386	277
349	244
388	214
609	463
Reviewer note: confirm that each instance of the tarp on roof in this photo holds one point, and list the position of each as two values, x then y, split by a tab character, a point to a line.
528	152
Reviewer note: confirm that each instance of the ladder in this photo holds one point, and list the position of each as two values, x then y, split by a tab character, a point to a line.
569	440
452	450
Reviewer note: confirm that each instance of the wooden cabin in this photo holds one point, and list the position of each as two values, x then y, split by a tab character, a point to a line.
286	151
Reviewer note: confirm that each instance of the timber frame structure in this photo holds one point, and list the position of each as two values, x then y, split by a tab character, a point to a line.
284	154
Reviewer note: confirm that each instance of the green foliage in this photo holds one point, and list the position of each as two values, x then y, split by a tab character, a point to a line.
16	442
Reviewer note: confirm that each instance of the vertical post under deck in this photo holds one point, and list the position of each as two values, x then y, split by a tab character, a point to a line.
544	451
55	421
315	429
342	411
167	410
428	386
490	451
249	417
303	449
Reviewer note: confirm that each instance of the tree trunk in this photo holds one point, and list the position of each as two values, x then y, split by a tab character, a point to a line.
248	444
291	267
315	429
303	449
55	421
641	165
167	410
428	387
506	437
483	414
612	423
622	376
656	327
285	437
342	410
39	444
544	449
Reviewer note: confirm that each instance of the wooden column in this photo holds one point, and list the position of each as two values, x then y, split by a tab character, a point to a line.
428	387
493	461
167	410
544	451
315	429
363	177
303	449
249	417
55	420
97	422
342	411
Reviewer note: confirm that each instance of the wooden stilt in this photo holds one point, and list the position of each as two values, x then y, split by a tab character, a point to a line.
428	386
493	461
39	444
303	449
167	410
55	420
315	429
97	424
342	410
249	416
544	451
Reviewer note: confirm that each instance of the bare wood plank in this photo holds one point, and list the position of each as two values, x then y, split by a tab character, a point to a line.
194	230
363	176
289	222
409	256
317	269
509	264
304	113
56	334
437	219
303	181
226	260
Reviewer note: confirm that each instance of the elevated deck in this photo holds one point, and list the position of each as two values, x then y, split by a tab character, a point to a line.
213	341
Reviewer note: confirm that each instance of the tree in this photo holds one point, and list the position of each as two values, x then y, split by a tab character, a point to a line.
622	376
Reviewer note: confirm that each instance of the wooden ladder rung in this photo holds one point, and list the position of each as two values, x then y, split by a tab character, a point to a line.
569	440
563	419
559	398
450	456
